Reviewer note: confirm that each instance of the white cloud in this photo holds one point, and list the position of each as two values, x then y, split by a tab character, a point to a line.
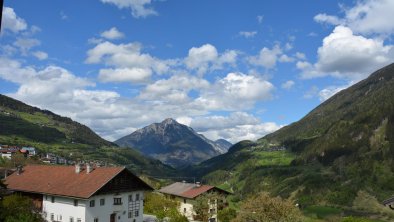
247	35
173	90
268	58
139	8
235	127
206	58
345	55
11	21
324	18
132	75
125	56
63	16
235	91
112	33
288	84
300	56
40	55
25	44
366	17
326	93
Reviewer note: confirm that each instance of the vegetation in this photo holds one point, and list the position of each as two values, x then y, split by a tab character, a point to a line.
23	125
162	207
205	202
262	207
343	147
16	208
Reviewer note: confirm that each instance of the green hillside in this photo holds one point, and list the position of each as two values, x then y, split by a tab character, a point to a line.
339	155
21	125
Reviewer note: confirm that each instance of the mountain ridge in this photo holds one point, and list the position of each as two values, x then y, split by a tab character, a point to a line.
172	143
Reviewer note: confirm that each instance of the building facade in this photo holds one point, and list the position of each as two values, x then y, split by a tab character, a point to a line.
186	195
77	194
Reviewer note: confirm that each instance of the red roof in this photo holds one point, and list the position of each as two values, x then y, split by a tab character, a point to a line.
61	180
188	190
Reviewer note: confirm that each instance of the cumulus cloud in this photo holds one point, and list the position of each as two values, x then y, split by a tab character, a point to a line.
268	58
127	59
288	84
174	89
112	33
326	93
330	19
40	55
25	44
139	8
366	17
206	57
235	127
132	75
11	21
260	19
236	91
247	35
349	56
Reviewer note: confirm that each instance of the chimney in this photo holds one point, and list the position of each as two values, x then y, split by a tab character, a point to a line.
19	170
198	184
78	168
89	168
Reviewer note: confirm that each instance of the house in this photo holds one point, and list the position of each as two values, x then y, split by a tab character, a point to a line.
7	151
81	193
186	194
30	150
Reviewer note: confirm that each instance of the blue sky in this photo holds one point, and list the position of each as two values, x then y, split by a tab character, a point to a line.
230	69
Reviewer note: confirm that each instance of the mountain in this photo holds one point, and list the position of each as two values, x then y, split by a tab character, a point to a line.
341	153
173	143
21	125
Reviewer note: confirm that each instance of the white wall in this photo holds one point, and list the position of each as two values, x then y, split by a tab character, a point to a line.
189	213
122	211
63	208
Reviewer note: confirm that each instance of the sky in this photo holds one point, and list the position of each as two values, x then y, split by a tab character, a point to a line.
232	69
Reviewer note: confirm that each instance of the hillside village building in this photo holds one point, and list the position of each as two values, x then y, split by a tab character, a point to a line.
186	194
78	194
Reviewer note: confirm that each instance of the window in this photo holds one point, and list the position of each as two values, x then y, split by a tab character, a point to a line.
91	203
95	220
52	217
137	197
130	197
184	200
60	217
76	203
184	210
130	214
53	199
102	202
136	213
79	220
71	219
117	201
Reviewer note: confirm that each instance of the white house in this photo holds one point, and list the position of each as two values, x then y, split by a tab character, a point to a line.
186	194
78	194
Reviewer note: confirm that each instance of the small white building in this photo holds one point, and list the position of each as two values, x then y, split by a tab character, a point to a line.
186	194
77	194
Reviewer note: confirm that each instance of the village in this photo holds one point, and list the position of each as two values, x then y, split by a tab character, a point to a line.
64	190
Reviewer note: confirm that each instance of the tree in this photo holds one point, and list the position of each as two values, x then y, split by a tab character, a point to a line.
262	207
203	202
163	207
18	208
227	214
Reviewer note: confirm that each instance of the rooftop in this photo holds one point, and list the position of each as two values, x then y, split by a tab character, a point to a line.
188	190
63	180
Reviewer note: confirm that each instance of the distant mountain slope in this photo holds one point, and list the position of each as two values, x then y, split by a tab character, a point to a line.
43	125
172	143
21	124
343	146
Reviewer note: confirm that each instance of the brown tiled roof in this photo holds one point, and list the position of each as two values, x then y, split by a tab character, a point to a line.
61	180
187	190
